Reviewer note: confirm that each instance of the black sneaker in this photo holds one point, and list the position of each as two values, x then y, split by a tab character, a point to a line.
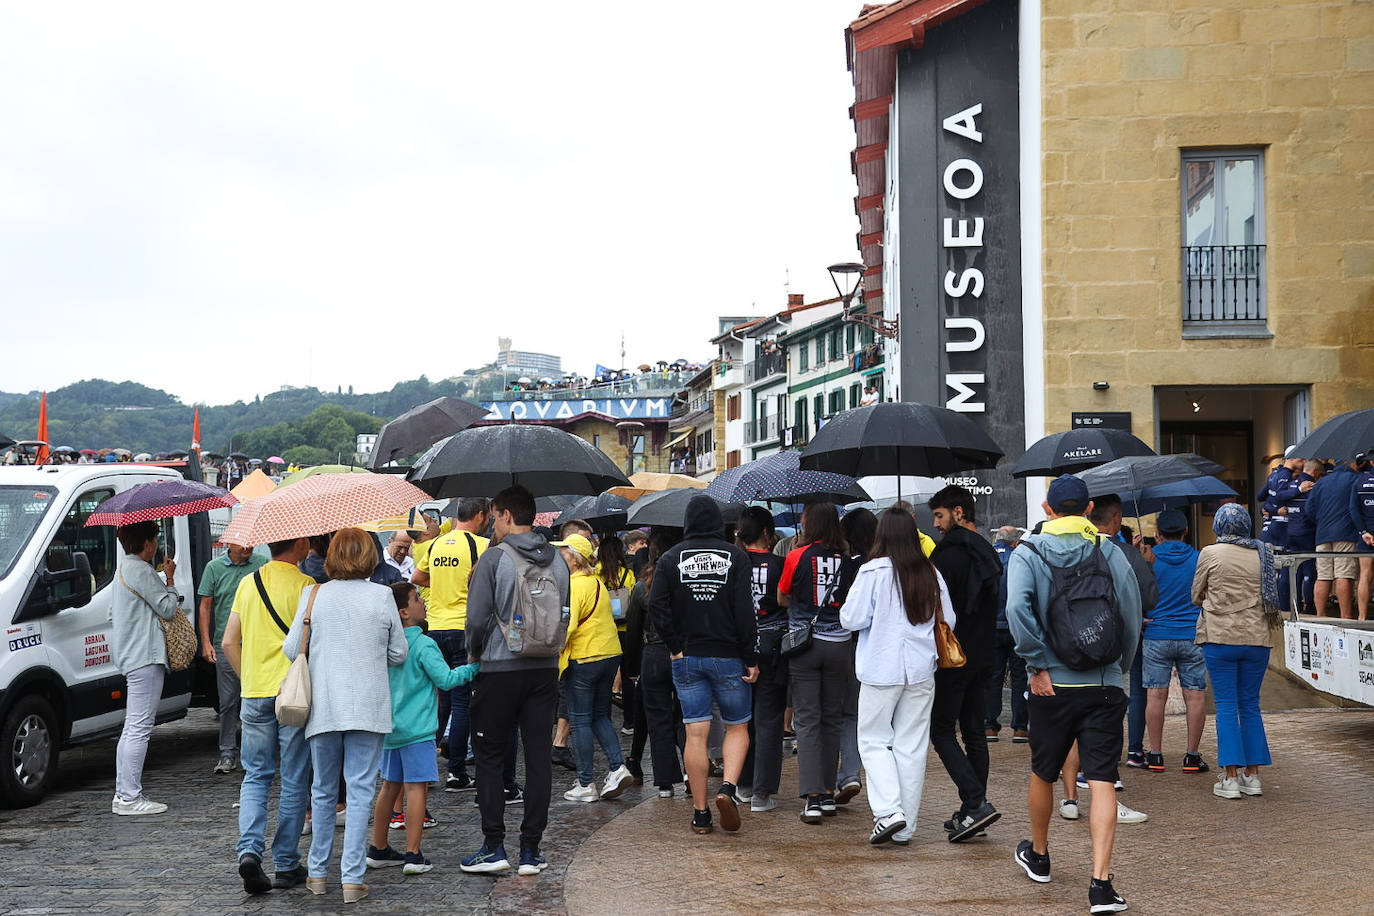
1103	898
701	821
1154	761
1036	866
255	880
974	822
383	858
727	803
811	811
458	782
515	796
828	807
1136	760
563	757
1192	763
285	880
949	824
416	864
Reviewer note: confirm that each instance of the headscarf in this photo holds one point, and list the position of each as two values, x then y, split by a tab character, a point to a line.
1232	525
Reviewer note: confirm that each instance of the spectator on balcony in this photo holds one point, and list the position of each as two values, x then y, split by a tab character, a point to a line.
870	395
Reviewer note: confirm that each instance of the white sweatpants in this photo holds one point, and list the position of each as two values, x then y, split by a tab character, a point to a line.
894	737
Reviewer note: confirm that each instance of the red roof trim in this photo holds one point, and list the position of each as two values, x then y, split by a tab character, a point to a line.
871	202
870	153
871	108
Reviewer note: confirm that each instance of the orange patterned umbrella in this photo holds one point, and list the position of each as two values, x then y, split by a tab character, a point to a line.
319	505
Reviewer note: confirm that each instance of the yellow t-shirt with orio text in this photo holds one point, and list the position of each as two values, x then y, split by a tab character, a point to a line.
450	562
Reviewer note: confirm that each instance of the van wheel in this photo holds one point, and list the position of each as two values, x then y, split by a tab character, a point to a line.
28	751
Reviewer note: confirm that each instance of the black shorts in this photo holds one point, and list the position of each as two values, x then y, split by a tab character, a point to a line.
1089	715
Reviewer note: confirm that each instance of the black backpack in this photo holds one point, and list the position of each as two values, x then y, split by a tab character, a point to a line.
1083	623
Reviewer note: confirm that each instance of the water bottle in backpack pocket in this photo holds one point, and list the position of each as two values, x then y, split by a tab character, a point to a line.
1083	623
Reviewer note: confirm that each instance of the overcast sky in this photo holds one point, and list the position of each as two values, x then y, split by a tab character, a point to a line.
220	200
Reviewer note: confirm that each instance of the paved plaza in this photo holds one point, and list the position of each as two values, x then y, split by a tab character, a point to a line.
1300	848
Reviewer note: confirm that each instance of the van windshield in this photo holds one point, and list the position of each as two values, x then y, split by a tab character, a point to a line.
21	511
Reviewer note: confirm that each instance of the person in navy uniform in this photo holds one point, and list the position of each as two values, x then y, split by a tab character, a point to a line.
1362	513
1279	483
1300	535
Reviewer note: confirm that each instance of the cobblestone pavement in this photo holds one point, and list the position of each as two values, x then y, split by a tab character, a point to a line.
1300	848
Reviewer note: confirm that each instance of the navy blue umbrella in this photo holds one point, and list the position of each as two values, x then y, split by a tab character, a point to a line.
1149	500
779	478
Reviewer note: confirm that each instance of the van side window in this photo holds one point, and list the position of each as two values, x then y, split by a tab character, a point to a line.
98	542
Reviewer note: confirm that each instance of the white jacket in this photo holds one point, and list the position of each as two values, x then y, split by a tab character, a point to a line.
891	651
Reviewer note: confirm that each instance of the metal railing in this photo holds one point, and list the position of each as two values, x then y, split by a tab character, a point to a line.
764	366
762	429
1224	283
667	382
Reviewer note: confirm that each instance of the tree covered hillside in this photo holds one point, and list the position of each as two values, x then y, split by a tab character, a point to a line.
103	414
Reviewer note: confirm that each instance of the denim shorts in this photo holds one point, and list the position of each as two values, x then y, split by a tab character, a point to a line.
412	763
701	680
1163	655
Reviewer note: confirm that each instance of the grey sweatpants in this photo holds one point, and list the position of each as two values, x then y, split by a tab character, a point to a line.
228	683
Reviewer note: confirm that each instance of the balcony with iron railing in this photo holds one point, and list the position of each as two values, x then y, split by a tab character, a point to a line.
761	429
1224	291
766	366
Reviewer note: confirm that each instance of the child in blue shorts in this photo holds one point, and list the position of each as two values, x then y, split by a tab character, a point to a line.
408	753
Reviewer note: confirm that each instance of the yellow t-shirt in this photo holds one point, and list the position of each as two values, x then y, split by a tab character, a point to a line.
264	665
591	629
449	564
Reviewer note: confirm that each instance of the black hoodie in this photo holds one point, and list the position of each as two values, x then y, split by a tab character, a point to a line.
702	601
973	573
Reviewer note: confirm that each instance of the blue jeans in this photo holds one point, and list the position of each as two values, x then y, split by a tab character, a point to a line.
1237	672
1004	657
356	755
1135	709
262	743
588	690
453	704
1162	656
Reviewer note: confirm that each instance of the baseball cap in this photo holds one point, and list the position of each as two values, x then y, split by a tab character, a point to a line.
1068	493
577	544
1171	521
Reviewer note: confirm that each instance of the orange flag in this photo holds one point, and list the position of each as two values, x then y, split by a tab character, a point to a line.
195	433
42	456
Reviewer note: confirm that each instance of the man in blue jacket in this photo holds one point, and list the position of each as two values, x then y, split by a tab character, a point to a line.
1278	485
1329	506
1068	705
1169	633
1301	536
1362	514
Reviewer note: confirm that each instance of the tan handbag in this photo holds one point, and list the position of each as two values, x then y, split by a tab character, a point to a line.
178	633
293	697
947	649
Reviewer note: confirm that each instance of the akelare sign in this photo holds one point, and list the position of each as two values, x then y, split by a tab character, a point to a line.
569	409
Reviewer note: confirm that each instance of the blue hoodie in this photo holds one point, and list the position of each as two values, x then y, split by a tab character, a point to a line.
1028	587
1174	615
1329	506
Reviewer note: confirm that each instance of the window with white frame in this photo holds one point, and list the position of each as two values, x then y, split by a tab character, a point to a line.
1223	256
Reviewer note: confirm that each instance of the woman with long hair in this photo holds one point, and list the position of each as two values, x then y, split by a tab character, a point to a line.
1236	587
815	579
662	719
613	568
892	605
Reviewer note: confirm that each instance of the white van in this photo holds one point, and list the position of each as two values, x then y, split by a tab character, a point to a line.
58	683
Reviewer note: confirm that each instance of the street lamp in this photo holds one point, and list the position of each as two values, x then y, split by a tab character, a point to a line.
851	275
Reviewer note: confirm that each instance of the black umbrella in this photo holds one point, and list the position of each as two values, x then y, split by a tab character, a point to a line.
420	427
178	453
1341	438
603	513
669	508
1172	495
1077	450
900	438
5	441
1140	471
238	456
483	460
779	478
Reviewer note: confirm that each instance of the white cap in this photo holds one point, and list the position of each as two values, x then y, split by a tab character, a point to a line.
1288	452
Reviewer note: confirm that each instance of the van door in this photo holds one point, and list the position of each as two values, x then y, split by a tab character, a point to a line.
78	638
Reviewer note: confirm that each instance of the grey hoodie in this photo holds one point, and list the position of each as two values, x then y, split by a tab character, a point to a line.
1028	589
491	595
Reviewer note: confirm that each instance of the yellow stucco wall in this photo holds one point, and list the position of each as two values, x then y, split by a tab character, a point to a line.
1127	86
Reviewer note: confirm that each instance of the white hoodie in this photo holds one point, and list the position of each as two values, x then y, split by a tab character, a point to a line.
891	652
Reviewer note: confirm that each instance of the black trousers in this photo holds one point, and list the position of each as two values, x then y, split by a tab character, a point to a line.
501	702
627	689
961	697
662	716
763	765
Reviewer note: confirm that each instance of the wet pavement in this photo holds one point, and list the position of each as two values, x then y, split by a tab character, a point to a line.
1302	847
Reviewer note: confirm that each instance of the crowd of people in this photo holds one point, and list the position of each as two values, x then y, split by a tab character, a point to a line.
483	640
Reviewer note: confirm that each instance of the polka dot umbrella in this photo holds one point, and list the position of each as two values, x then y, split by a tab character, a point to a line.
321	504
157	499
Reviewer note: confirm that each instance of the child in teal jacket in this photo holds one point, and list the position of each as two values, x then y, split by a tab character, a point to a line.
408	754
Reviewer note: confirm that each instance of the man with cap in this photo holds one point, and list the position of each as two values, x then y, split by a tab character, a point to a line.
1170	631
1068	705
1278	488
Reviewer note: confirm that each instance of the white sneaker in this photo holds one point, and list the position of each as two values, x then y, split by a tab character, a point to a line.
885	827
744	795
1226	787
1068	809
140	805
616	781
763	803
1248	785
581	793
1126	815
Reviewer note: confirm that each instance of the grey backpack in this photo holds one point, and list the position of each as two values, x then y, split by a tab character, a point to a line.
537	627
